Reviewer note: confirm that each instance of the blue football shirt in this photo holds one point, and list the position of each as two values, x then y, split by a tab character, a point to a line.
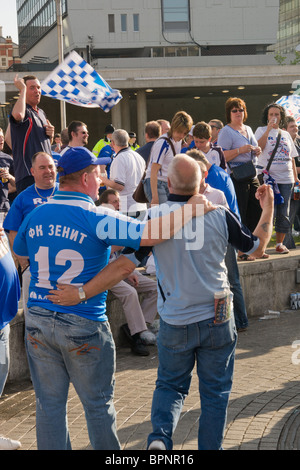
9	285
68	241
24	203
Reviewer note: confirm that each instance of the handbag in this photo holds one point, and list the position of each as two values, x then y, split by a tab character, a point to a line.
261	176
139	193
244	172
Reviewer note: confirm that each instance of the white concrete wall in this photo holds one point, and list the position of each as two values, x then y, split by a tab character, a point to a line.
213	22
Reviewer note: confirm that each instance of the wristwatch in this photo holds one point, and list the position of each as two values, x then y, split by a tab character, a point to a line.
81	293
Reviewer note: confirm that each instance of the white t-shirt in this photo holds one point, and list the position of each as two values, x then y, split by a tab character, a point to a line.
213	156
127	169
162	154
281	168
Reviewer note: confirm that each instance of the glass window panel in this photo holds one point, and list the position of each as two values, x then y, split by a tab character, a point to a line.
136	22
176	14
193	51
157	52
170	52
111	23
181	51
123	22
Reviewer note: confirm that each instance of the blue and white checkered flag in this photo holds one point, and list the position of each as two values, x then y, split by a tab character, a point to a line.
76	82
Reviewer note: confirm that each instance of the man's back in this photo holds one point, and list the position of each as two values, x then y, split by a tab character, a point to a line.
127	169
63	242
190	267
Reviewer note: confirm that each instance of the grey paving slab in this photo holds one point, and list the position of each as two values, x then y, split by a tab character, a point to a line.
264	409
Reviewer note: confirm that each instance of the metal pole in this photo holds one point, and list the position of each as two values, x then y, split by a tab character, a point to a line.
60	57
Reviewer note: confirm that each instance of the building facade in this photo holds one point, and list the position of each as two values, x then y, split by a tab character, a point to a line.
288	36
149	28
164	55
9	52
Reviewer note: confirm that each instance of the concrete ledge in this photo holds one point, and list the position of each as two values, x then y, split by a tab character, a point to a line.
267	285
19	368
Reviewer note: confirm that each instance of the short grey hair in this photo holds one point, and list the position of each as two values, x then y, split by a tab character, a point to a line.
120	137
186	182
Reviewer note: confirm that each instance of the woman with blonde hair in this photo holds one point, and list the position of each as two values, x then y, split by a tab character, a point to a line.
163	151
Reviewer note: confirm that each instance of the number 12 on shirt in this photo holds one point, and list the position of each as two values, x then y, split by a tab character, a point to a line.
70	259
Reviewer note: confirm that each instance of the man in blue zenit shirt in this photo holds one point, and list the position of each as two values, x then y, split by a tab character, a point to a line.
68	240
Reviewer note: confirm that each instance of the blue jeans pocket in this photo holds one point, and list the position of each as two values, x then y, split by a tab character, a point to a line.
222	334
35	341
173	337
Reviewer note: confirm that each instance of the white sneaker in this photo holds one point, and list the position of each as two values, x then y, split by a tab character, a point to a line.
282	249
9	444
148	337
157	445
154	327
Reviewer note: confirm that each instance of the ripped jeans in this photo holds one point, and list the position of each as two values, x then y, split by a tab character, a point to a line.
64	348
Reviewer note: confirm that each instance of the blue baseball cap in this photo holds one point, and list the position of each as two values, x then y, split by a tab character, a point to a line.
76	159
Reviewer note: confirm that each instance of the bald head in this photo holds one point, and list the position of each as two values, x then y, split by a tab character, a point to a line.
184	175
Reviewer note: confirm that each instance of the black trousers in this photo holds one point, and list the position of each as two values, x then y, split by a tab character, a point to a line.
249	206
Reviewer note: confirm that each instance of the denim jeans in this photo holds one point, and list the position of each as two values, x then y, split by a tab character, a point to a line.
4	356
282	211
162	190
212	347
239	307
64	348
289	241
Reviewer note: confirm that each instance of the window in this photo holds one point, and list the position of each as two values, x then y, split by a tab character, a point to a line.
124	23
111	23
136	22
176	15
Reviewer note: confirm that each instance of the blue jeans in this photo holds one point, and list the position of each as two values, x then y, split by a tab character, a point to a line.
4	356
239	307
282	211
212	347
162	190
64	348
289	241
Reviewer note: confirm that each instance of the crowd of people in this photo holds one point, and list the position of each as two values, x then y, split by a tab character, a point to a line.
74	230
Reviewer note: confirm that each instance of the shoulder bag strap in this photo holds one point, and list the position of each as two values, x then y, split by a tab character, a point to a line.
171	144
274	151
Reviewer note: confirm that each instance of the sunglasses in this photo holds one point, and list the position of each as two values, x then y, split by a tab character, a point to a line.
216	127
240	110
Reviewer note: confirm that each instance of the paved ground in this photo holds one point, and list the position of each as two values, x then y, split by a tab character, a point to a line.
264	410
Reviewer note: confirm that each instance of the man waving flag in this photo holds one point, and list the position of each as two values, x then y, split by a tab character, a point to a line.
76	82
